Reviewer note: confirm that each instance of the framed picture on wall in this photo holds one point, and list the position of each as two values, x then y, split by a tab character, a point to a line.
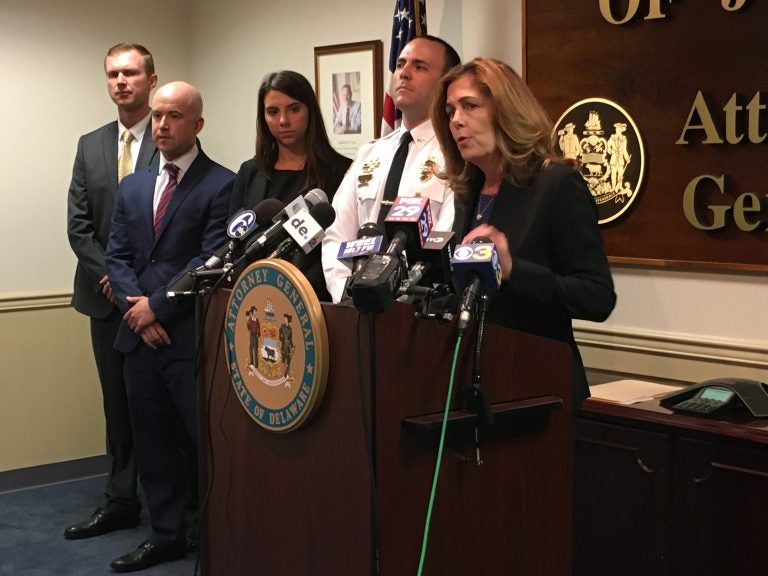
348	83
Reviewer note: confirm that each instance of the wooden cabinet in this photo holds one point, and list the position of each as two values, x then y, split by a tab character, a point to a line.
659	494
721	492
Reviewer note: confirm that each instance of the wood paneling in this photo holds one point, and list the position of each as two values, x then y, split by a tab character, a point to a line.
654	68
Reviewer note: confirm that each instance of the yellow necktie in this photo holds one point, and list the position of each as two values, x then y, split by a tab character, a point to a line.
125	160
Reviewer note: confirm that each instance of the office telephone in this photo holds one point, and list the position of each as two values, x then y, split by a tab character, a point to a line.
715	396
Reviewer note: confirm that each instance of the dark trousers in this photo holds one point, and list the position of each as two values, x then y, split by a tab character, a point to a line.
162	394
121	486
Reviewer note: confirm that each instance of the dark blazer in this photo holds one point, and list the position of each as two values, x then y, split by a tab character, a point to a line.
194	227
559	267
251	187
92	194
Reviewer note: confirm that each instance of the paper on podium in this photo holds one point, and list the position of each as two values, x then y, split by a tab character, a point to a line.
629	391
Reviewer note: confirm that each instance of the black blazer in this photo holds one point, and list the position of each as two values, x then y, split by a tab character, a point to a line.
92	193
559	267
251	187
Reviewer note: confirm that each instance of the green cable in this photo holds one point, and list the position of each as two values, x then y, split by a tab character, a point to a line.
439	458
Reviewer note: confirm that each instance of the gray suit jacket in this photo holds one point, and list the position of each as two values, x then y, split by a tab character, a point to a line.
92	193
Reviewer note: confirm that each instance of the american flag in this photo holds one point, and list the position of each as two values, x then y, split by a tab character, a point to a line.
409	21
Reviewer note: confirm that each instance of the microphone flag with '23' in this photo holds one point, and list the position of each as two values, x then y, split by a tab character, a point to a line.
476	269
407	223
241	227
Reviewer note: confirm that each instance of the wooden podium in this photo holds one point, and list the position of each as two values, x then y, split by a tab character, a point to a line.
331	497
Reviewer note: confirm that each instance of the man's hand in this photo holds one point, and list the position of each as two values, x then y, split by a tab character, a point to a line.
140	315
154	336
106	289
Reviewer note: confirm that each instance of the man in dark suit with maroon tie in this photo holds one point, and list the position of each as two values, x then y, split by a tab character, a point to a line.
167	219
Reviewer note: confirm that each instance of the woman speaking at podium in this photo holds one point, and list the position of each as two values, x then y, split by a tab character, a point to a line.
535	207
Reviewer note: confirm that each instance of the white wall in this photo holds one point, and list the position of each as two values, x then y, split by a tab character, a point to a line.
239	41
718	305
718	309
53	90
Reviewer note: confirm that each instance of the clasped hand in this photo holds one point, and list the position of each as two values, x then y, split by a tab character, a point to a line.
142	320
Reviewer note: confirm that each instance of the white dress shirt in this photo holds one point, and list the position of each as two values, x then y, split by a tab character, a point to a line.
138	131
358	199
183	162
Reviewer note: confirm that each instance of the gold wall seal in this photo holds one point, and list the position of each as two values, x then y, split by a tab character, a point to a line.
605	142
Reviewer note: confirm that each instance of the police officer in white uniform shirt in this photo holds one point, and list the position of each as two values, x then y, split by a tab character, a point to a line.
421	64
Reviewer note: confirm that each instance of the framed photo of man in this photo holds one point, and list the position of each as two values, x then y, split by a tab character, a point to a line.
348	83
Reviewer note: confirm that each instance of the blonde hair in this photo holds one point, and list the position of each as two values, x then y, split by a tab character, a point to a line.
523	128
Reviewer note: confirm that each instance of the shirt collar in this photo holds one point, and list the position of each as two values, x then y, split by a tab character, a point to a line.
183	162
422	133
138	130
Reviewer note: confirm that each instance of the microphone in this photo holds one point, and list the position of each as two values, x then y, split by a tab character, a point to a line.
433	260
415	275
377	284
408	223
300	223
192	283
241	227
369	239
311	198
305	230
476	268
182	285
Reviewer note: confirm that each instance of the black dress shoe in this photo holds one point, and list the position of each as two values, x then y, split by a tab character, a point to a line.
148	555
101	522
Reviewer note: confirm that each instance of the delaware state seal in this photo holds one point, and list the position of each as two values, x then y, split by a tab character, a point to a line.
605	143
277	345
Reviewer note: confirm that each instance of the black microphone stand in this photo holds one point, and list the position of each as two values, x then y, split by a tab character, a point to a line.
474	399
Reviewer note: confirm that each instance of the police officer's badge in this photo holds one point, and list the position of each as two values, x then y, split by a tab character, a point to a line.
367	172
427	170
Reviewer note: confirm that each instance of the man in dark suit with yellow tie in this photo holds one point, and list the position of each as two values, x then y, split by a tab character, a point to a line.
168	219
103	157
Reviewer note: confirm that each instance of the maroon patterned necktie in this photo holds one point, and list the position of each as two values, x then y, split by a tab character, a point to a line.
165	197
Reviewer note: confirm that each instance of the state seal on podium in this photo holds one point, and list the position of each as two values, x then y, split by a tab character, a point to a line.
277	345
